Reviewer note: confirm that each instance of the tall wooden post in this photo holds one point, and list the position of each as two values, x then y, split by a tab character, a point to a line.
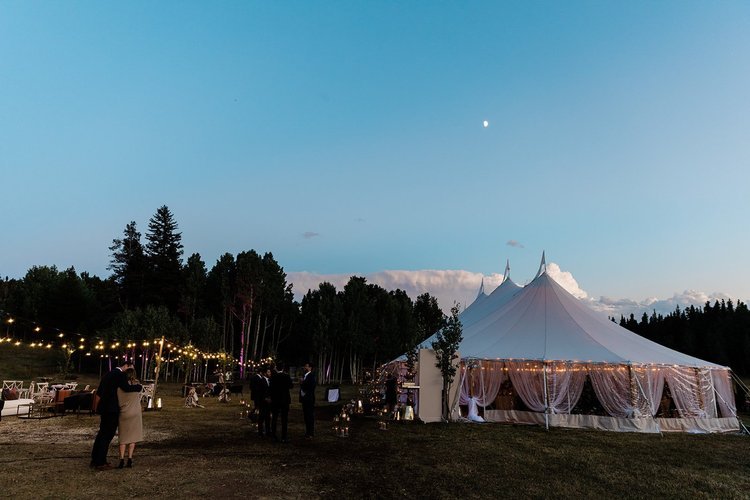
158	366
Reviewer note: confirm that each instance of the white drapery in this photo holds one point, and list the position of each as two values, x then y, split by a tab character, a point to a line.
528	380
725	392
481	380
611	384
650	380
692	391
564	385
624	391
473	413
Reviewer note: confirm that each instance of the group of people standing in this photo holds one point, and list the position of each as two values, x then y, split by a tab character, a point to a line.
119	406
270	391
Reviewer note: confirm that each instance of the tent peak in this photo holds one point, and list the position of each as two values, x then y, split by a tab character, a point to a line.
542	267
506	274
481	288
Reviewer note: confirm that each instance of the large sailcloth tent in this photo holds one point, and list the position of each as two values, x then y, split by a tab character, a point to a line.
541	346
484	304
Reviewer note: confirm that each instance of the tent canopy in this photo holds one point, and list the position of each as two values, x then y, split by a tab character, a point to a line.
543	321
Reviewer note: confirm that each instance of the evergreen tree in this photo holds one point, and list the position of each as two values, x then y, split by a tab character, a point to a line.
128	266
164	257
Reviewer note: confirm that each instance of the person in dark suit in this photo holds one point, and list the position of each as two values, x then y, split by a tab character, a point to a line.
264	403
281	384
307	398
109	410
255	388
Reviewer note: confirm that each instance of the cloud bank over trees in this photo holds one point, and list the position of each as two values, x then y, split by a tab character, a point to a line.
450	286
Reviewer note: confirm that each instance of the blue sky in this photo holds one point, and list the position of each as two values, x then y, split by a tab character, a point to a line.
347	137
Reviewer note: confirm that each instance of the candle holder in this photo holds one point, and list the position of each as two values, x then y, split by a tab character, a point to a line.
341	424
335	425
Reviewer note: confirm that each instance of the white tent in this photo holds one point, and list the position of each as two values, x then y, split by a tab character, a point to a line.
541	344
484	305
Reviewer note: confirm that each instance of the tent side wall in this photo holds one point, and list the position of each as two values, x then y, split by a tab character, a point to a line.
630	394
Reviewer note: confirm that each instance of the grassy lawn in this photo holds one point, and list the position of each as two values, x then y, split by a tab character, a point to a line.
193	452
211	451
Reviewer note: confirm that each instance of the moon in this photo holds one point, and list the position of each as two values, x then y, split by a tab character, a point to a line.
485	124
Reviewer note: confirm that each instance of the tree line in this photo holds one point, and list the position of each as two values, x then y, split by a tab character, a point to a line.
719	333
242	306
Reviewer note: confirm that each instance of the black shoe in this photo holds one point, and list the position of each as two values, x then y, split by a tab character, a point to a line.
121	464
130	462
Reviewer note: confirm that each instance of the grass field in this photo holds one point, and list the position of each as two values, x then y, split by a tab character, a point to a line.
212	452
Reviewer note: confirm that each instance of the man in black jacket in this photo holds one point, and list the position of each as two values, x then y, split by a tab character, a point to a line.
109	410
307	398
281	384
262	397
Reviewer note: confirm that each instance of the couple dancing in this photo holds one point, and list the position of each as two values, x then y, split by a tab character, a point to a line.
119	406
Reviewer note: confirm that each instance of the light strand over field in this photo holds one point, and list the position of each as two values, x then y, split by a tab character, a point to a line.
89	346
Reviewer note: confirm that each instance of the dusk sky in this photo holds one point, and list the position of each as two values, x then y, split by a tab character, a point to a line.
348	139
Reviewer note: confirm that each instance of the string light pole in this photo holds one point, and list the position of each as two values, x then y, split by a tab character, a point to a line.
158	366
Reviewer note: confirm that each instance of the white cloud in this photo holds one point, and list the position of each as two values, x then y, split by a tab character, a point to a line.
566	280
450	286
310	234
662	306
625	307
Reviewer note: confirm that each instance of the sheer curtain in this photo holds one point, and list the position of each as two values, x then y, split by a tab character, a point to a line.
617	389
481	382
725	393
691	391
528	380
650	381
564	385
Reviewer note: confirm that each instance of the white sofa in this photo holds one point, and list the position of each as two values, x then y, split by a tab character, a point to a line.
11	407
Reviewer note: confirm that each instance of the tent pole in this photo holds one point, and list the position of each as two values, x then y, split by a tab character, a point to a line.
546	395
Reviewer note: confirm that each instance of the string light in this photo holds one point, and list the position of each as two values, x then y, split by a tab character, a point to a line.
100	345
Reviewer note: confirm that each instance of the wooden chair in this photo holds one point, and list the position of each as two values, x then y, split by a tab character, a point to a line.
41	393
12	384
25	392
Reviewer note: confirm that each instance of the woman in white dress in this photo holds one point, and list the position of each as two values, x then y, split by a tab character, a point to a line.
130	428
